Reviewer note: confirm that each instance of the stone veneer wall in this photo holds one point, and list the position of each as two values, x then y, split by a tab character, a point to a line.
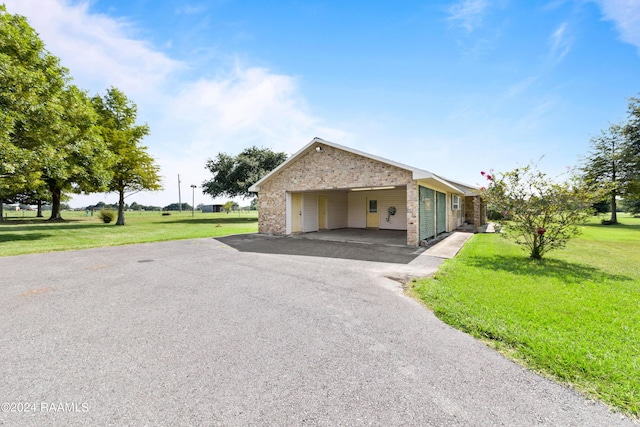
412	214
331	169
469	209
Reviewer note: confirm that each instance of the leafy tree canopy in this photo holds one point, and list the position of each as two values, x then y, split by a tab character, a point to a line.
74	157
133	169
232	176
47	134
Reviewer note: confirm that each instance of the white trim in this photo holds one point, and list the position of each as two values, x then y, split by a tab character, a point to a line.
455	202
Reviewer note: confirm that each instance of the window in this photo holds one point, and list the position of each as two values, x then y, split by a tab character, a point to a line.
455	202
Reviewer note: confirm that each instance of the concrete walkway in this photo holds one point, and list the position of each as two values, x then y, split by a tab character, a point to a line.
450	246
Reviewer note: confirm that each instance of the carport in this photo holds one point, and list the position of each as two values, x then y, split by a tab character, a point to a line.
383	208
326	186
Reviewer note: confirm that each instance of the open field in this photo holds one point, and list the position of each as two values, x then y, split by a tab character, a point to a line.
22	235
574	316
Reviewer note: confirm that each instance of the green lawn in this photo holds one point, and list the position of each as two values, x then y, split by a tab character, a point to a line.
22	235
574	316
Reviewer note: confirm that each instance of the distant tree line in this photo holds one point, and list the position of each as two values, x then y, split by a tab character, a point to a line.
54	138
134	206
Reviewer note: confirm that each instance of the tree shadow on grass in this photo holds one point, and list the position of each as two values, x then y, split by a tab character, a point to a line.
620	225
43	220
42	226
552	268
13	237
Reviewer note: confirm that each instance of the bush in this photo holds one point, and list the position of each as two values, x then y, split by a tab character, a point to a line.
493	215
539	213
107	216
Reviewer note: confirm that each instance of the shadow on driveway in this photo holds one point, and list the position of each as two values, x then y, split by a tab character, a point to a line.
261	243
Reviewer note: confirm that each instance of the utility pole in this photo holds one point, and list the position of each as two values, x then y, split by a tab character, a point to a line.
179	196
193	199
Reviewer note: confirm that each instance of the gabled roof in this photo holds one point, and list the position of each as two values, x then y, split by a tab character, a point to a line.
417	173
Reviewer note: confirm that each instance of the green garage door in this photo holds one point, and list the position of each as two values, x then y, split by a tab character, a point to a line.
426	212
441	207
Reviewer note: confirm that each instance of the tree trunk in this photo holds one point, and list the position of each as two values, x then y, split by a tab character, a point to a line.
56	194
537	247
120	220
39	215
1	210
614	208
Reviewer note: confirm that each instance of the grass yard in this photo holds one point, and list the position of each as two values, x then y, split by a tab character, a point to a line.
574	316
22	235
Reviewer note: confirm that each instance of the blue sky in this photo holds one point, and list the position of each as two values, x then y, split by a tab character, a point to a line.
453	87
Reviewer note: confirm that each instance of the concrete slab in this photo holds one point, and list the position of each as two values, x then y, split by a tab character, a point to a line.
359	235
305	246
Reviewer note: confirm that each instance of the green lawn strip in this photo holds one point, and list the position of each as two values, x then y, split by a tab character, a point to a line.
574	316
31	235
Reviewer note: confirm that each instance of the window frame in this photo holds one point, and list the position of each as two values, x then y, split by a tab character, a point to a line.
455	202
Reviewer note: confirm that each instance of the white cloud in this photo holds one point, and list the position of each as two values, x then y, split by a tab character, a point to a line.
468	13
99	51
560	43
520	87
247	106
190	9
190	120
625	15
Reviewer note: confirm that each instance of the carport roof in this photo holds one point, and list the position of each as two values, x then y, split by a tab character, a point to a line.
418	174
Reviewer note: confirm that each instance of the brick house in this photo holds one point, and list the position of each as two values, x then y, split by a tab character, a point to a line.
327	186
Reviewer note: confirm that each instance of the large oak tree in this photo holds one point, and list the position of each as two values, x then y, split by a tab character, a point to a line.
47	125
233	175
30	79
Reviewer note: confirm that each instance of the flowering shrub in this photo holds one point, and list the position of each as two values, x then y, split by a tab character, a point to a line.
539	213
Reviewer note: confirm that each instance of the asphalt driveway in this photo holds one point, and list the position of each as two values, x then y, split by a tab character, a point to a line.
198	332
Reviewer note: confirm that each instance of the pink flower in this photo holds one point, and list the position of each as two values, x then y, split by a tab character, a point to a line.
483	188
489	177
483	173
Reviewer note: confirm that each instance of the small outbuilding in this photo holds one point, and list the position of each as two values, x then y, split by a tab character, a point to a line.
212	208
327	186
